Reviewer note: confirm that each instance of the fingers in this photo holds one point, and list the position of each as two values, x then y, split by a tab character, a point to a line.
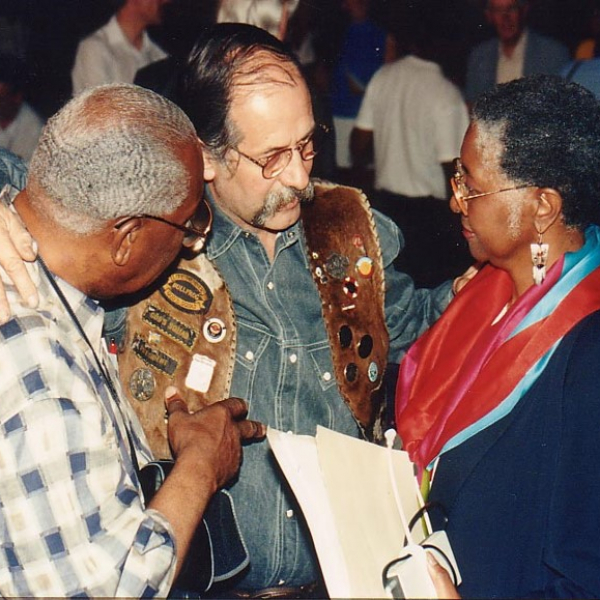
16	245
440	578
462	280
249	430
237	408
252	430
174	402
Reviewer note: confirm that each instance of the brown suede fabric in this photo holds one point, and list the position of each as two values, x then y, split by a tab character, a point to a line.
172	337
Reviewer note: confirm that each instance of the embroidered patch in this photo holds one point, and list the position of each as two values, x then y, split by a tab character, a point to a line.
142	384
200	373
152	357
170	326
187	292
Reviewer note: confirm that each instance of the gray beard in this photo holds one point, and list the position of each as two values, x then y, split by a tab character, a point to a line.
275	201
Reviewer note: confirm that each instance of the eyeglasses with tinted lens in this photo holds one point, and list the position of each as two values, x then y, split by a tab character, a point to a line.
461	192
195	229
274	165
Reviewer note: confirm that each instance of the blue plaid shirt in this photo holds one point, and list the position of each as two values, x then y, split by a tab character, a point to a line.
72	519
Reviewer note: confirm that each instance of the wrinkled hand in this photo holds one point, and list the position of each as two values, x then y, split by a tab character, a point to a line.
211	436
462	280
441	580
16	246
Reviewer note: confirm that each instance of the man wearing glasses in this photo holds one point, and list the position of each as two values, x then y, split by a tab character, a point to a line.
310	272
108	216
515	52
306	307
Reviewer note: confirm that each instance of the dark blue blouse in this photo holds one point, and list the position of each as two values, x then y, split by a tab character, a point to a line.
523	496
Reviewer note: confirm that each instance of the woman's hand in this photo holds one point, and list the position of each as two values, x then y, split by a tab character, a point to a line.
16	246
441	580
462	280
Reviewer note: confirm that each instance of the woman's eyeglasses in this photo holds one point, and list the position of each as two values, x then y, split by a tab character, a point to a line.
462	193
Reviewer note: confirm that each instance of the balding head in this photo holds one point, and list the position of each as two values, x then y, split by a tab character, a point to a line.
231	59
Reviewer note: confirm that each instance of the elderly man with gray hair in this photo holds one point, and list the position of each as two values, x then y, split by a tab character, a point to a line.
115	188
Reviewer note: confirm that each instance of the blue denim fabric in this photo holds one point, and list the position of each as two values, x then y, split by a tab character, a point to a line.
284	370
12	170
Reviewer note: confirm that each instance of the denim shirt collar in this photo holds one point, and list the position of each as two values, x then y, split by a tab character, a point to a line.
225	233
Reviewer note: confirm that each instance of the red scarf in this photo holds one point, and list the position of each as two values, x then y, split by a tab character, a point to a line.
465	366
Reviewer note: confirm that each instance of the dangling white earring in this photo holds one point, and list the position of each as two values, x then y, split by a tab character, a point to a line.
539	257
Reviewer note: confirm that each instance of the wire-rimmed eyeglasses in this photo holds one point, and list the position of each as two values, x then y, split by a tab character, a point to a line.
462	193
195	229
274	165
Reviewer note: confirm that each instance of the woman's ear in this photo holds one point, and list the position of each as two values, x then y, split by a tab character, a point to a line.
549	209
123	240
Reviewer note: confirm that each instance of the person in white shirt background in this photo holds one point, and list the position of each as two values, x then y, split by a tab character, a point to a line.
114	53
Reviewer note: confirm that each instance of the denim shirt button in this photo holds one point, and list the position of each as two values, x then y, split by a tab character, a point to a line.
249	355
289	513
270	285
327	376
293	358
281	582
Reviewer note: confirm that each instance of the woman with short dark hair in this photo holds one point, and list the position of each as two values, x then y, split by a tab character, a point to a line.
498	403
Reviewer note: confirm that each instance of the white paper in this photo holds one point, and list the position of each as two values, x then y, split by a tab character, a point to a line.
345	490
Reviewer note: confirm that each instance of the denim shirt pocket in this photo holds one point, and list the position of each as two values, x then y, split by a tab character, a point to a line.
320	359
251	344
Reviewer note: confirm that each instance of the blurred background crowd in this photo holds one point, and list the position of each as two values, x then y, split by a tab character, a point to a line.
46	34
342	44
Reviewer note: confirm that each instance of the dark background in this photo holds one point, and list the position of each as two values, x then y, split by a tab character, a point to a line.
56	26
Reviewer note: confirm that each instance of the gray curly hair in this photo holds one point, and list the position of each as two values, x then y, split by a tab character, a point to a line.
110	152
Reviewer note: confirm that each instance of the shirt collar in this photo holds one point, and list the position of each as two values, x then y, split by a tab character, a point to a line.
225	232
117	37
519	50
87	311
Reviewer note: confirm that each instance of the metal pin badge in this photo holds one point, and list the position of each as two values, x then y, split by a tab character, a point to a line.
214	330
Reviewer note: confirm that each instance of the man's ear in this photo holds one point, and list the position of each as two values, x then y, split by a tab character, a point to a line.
209	162
549	208
123	240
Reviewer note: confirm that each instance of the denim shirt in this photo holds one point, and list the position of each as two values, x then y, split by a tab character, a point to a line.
284	370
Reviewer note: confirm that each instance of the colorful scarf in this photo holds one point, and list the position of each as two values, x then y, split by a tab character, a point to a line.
467	372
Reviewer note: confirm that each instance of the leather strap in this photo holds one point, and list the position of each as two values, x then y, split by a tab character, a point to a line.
347	268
